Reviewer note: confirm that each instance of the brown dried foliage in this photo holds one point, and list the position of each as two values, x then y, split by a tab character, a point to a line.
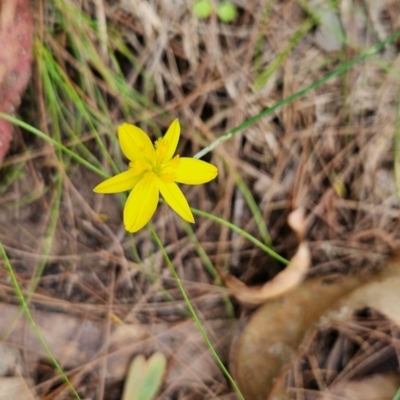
330	152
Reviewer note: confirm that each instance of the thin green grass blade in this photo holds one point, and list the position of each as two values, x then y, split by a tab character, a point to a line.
258	218
12	174
53	73
60	117
258	52
209	266
339	71
54	142
48	237
245	234
45	251
194	315
262	79
26	311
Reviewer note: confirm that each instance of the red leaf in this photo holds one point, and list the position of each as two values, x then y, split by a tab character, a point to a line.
16	39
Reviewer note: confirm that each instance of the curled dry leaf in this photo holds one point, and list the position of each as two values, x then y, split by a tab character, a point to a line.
16	39
276	332
286	280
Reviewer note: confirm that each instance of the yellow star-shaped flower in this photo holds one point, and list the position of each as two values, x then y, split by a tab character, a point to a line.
153	169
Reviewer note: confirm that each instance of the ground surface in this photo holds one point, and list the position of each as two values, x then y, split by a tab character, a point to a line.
332	151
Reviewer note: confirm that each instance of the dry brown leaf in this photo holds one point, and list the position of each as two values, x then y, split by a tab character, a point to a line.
275	333
286	280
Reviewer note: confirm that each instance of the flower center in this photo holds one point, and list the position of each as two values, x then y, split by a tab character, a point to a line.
156	170
163	169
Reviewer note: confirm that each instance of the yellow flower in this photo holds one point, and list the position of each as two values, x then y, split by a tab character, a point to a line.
153	169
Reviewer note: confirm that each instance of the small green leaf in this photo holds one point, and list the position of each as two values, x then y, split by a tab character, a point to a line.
202	8
227	11
144	377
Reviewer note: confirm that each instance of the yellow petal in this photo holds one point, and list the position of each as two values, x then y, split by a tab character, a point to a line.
141	203
136	144
118	183
176	200
166	146
194	172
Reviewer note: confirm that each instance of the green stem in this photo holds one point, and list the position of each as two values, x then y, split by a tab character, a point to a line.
194	315
54	142
242	232
32	322
339	71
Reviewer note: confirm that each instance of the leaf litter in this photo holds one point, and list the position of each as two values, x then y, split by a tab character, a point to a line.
329	153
